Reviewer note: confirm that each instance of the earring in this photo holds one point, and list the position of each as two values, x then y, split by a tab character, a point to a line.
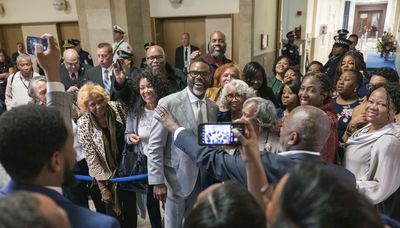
355	90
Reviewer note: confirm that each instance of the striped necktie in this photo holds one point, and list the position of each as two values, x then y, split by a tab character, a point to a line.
107	82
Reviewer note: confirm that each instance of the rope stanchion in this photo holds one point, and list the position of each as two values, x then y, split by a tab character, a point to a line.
115	180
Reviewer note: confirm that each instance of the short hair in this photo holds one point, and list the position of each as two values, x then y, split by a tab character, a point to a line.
296	70
314	196
22	209
201	60
294	86
357	74
32	84
220	71
242	89
105	45
43	132
279	59
160	87
266	112
186	33
392	93
388	73
88	91
19	42
354	35
325	81
23	56
314	62
229	205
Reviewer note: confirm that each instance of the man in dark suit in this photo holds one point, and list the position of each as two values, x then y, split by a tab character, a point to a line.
44	161
116	86
182	53
20	50
72	72
303	134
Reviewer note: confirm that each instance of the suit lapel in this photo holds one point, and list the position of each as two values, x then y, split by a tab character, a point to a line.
185	104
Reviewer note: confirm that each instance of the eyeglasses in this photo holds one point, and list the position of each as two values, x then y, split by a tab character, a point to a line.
71	64
155	57
378	104
196	74
236	95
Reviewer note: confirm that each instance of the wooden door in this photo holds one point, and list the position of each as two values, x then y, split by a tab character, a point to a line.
168	34
68	30
369	20
9	36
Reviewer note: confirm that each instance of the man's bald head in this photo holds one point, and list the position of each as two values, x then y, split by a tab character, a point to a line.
155	59
217	44
306	128
71	60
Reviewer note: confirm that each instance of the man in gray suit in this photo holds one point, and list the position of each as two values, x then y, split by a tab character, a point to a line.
170	167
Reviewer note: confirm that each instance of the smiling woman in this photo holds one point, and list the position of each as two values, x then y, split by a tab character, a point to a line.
372	152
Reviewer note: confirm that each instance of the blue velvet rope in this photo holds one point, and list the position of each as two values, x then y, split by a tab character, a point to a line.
115	180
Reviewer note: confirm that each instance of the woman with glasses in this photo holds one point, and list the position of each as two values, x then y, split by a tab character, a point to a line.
372	153
223	75
315	90
233	96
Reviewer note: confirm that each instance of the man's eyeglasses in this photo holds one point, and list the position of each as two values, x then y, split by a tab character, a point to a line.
155	57
196	74
71	64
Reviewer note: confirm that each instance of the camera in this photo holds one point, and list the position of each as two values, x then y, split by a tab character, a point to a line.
31	41
219	133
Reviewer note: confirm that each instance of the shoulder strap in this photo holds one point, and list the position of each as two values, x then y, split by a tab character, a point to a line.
12	79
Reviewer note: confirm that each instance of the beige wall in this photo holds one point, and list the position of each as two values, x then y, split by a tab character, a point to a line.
163	8
36	11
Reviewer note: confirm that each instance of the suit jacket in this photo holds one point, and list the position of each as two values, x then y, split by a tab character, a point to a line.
224	166
78	216
66	80
122	93
165	160
180	57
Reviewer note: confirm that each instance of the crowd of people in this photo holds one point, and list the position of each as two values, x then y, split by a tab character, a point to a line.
319	149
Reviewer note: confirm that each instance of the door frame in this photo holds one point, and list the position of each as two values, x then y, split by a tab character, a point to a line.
371	8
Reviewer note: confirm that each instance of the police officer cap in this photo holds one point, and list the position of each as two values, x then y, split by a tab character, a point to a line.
290	34
124	54
68	43
75	42
117	28
148	44
342	41
343	32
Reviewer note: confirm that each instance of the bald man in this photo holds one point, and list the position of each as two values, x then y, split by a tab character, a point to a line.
72	72
156	62
303	134
216	51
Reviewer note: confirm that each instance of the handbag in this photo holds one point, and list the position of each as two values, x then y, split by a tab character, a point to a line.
133	162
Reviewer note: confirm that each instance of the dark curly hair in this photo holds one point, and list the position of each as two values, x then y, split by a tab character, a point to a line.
390	74
279	59
159	84
358	63
392	92
295	70
314	62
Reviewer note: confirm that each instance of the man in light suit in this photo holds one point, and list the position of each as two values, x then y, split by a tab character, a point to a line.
44	162
168	166
116	87
182	53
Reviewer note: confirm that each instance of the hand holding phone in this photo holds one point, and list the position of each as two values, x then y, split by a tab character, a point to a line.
219	133
31	41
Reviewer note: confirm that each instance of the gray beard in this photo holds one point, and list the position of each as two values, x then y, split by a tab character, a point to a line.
217	54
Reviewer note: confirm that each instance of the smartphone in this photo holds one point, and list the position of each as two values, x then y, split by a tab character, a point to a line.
31	41
219	133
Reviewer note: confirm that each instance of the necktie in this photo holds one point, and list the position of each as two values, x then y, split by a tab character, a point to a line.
74	82
107	83
186	53
199	112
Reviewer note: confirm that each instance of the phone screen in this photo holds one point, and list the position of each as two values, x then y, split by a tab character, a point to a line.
31	41
219	133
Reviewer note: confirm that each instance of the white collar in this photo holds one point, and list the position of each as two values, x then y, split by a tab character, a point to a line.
57	189
292	152
193	98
